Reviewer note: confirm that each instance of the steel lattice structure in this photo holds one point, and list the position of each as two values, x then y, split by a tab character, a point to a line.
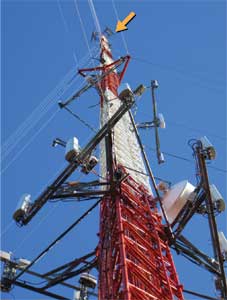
133	255
134	260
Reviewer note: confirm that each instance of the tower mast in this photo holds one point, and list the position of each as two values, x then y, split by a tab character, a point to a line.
134	259
133	255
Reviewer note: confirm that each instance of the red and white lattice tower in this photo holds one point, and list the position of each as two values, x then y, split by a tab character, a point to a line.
135	262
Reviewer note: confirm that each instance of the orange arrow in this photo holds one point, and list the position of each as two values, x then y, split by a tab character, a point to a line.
121	25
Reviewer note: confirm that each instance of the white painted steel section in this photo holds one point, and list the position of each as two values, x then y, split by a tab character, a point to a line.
126	149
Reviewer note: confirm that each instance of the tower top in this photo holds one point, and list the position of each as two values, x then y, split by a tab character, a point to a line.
96	36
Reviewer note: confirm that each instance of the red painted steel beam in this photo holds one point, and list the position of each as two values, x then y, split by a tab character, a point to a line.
135	262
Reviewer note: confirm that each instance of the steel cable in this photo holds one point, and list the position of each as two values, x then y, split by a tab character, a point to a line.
32	117
186	159
30	141
39	111
95	17
122	34
66	29
82	27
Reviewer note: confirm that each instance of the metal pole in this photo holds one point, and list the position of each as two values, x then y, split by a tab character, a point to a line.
211	220
57	240
35	289
151	176
158	152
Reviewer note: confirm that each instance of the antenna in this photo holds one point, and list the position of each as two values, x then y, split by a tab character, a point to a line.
158	120
108	32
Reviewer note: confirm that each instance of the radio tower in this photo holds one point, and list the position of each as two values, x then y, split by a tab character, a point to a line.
134	260
133	255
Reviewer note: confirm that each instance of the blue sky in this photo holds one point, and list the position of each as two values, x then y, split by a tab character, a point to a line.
182	44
